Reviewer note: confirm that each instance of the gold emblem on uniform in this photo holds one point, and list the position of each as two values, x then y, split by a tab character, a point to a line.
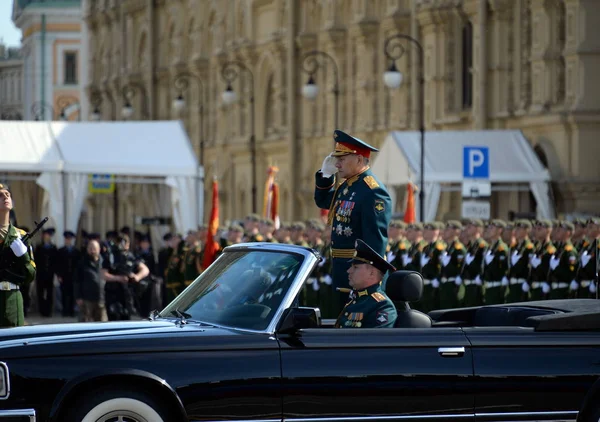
371	182
345	191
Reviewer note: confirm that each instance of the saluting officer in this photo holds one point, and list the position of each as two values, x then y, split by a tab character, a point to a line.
474	261
520	268
495	270
369	306
359	207
17	268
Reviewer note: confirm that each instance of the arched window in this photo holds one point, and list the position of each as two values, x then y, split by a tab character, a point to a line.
467	65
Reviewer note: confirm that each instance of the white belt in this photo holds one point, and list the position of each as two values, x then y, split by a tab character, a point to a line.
560	285
426	281
514	280
7	286
447	279
492	283
586	283
467	282
537	284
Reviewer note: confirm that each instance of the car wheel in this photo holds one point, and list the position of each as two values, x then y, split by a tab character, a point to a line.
118	406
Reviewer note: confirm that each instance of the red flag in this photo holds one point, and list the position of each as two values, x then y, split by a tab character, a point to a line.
275	204
211	246
409	212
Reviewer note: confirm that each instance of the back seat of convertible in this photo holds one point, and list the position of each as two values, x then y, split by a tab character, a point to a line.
508	316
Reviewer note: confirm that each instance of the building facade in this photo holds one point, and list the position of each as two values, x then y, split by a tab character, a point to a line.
11	88
488	64
51	53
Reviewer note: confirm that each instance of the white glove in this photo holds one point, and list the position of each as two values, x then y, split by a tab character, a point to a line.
446	259
515	258
469	258
554	262
18	247
535	261
327	279
322	261
390	256
525	287
478	281
504	281
585	258
458	281
406	260
545	288
328	168
435	283
593	287
424	260
574	285
489	257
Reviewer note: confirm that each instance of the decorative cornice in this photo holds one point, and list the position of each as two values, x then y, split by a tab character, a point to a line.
437	4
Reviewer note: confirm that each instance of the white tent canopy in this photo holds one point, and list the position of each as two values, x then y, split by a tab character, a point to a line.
511	157
66	153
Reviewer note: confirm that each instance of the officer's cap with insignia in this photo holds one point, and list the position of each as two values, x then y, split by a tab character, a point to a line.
168	237
454	224
253	217
498	223
68	234
415	226
594	220
474	222
363	253
399	224
579	222
236	228
4	186
431	225
49	231
346	144
567	225
544	223
524	224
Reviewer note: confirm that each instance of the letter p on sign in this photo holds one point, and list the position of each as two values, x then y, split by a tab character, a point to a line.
476	163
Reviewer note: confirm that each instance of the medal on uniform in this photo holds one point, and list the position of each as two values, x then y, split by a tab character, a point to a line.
345	191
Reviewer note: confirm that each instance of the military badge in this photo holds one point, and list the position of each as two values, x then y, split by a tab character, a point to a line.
379	206
381	317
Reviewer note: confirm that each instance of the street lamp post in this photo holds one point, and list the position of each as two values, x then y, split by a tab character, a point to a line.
63	103
229	73
129	91
181	83
394	49
310	65
39	108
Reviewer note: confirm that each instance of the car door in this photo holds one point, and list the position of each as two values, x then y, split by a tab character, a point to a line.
354	373
527	375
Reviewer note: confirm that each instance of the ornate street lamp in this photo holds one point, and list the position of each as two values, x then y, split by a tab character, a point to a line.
394	49
129	92
229	73
65	102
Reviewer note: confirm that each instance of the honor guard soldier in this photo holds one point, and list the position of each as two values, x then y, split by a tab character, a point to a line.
589	260
398	245
174	274
192	253
473	267
68	261
46	255
251	228
431	267
412	260
17	268
564	264
359	207
496	262
579	238
508	236
540	261
452	290
520	267
369	306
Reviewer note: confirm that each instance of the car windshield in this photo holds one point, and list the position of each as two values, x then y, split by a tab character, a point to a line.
242	289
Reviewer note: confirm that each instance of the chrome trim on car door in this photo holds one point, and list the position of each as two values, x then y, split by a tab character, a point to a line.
567	415
30	413
379	418
451	351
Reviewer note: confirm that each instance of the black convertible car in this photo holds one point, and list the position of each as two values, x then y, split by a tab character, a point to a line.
235	347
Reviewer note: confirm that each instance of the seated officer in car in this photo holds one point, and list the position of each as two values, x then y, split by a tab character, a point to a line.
369	306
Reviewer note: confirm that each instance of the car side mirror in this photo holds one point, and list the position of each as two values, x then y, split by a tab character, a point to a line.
299	318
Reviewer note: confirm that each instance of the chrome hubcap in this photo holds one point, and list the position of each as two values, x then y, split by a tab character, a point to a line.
122	416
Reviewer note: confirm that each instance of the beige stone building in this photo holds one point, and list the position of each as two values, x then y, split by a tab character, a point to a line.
11	76
531	65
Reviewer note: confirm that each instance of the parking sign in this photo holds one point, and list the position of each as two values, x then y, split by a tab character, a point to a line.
476	162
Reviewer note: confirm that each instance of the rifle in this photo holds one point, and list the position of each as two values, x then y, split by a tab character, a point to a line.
7	258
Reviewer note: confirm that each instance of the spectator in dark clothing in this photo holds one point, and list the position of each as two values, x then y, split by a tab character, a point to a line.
89	286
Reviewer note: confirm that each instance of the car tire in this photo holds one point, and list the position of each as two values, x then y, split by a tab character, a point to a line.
109	406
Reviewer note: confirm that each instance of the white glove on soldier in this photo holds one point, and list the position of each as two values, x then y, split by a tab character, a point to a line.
574	285
478	281
593	287
328	168
435	283
18	247
504	281
525	287
545	288
458	281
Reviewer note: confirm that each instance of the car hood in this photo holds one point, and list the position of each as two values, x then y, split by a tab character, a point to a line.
163	335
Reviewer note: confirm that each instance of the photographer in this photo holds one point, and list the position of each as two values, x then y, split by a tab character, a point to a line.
121	274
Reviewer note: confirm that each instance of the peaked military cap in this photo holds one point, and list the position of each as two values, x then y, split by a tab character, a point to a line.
415	226
567	225
431	225
4	187
477	222
69	234
346	144
544	223
594	220
363	253
526	224
49	231
580	222
498	223
399	224
454	224
167	237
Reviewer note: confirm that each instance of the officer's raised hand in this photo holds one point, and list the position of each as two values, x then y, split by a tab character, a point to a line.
328	168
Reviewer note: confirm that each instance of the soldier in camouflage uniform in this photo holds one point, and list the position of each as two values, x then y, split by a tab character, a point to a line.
452	290
564	264
520	267
496	262
431	267
398	245
540	261
473	267
589	260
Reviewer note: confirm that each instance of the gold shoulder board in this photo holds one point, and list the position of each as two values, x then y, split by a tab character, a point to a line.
371	182
378	297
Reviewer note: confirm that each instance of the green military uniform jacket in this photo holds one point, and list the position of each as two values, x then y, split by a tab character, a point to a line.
413	259
19	271
520	271
451	292
174	275
540	268
368	308
496	265
397	253
472	273
190	269
359	208
564	265
587	268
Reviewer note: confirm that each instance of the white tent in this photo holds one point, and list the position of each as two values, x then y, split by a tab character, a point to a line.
66	153
512	160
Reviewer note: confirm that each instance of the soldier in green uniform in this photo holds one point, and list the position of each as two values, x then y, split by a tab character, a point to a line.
431	267
369	306
251	228
398	245
17	267
508	236
520	267
174	274
192	256
452	289
496	262
579	239
589	260
473	267
564	264
540	261
412	260
297	234
359	207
